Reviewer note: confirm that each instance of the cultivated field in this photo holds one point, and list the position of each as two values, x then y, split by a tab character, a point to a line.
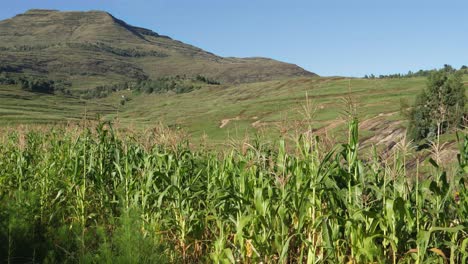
96	195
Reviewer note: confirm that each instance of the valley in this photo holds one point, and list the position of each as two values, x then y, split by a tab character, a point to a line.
122	145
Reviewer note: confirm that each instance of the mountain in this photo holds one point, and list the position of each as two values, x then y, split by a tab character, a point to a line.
94	47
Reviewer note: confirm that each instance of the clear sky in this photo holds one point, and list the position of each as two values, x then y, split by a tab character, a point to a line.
329	37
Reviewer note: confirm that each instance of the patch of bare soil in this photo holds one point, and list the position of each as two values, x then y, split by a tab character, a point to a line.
259	123
392	134
225	122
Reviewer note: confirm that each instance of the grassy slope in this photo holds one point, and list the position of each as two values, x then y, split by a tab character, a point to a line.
21	107
270	104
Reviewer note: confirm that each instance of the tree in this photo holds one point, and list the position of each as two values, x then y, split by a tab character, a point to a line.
464	69
440	106
37	85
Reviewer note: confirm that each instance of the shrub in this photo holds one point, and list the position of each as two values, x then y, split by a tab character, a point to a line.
177	84
37	85
206	80
440	106
6	79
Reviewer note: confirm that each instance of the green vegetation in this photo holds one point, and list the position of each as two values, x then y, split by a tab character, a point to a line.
18	106
411	74
440	107
6	79
146	194
102	47
102	91
262	107
178	84
93	196
35	84
206	80
44	86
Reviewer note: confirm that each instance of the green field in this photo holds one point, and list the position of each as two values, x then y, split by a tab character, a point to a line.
202	111
93	195
230	111
270	103
23	107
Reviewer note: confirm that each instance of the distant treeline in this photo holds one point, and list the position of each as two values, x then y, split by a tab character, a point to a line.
178	84
206	80
421	73
36	84
7	69
45	85
102	91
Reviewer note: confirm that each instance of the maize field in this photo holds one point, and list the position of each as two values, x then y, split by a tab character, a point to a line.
97	196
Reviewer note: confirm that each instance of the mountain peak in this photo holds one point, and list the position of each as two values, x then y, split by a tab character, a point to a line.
95	45
45	27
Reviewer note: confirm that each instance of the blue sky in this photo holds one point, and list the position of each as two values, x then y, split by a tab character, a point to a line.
348	38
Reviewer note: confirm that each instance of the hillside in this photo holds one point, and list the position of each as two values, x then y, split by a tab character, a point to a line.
256	95
93	48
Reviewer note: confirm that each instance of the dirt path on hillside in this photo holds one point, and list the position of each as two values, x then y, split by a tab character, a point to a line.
225	122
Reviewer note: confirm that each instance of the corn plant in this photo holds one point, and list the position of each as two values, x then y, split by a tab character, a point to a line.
99	195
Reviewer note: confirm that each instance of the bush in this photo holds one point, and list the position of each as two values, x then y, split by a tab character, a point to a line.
206	80
6	79
102	90
440	106
177	84
37	85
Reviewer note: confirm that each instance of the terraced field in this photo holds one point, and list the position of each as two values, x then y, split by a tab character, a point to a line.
23	107
224	111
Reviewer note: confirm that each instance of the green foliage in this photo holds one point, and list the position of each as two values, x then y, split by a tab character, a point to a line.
440	106
69	196
8	68
411	74
123	100
39	85
178	84
206	80
464	69
101	91
6	79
